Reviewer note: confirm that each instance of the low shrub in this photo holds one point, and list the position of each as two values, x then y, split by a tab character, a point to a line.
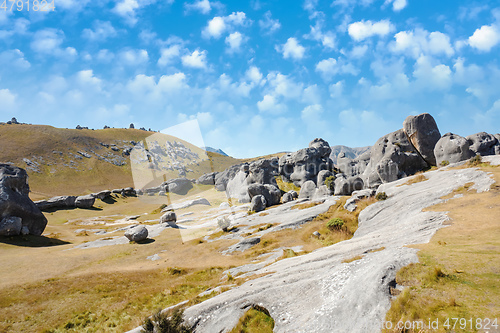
476	160
381	196
166	322
445	163
330	183
335	224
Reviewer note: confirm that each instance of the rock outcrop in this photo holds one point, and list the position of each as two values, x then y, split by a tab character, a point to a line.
261	172
15	204
452	148
483	143
305	164
258	203
207	179
271	193
423	134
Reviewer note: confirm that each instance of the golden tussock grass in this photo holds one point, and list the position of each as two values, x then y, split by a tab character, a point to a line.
459	269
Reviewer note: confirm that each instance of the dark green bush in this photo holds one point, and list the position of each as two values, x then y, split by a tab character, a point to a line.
330	182
381	196
445	163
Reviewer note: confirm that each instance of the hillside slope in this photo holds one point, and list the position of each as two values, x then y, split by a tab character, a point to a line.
73	162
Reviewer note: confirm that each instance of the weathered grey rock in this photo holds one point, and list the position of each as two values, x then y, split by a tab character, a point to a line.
392	157
305	164
103	195
345	186
222	178
207	179
11	226
243	245
321	192
260	172
322	176
452	148
128	192
178	186
169	217
85	201
483	143
423	133
59	202
294	194
15	201
186	204
287	197
258	203
307	190
316	234
137	234
350	204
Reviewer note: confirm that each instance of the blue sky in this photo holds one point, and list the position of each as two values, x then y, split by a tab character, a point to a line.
259	76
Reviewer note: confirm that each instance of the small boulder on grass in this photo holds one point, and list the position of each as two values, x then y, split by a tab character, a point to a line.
169	217
137	234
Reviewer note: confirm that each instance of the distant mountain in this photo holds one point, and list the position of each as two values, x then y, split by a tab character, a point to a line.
348	151
213	150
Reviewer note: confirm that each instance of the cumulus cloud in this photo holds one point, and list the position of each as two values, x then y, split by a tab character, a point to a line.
365	29
101	32
219	25
485	38
254	75
234	42
128	9
49	41
291	49
268	24
418	42
8	100
327	39
269	103
430	76
202	6
329	68
14	58
133	57
169	55
284	85
312	116
196	59
397	5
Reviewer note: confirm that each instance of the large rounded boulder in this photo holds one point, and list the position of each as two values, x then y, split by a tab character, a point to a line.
483	143
423	133
452	148
15	204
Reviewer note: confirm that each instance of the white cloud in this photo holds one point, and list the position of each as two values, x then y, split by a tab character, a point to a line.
397	5
291	49
430	77
133	57
202	6
254	75
418	42
128	8
14	58
197	59
217	26
336	89
268	24
365	29
87	78
312	95
328	68
101	32
168	55
8	100
359	51
19	27
234	41
485	38
285	86
48	41
312	116
327	39
270	104
105	55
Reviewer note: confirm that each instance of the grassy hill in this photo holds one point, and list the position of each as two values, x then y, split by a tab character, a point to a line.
73	162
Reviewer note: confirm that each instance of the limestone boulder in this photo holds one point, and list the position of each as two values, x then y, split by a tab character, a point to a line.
483	143
423	133
452	148
137	234
15	203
